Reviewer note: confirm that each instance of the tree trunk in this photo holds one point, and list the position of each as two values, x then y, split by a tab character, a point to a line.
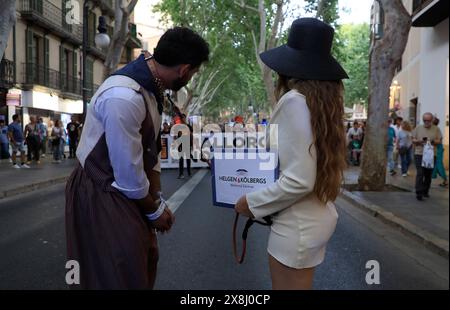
7	20
264	45
385	56
120	36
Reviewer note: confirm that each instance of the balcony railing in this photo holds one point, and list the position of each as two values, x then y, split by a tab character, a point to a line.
39	75
6	73
92	88
49	16
133	40
70	84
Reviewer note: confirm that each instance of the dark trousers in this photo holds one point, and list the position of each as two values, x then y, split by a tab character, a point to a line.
423	177
406	159
34	149
4	151
72	147
181	166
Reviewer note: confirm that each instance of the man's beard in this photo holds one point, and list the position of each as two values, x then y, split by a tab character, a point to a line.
178	84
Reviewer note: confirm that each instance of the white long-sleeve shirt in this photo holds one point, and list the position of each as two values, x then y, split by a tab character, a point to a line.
298	163
121	110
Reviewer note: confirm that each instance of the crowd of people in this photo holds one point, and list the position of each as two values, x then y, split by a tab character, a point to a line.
36	140
405	146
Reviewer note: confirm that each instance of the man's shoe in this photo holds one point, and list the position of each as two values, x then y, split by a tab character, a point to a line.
16	166
25	166
426	195
419	197
393	173
181	177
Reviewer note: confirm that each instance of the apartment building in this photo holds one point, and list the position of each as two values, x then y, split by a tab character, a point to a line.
41	71
421	84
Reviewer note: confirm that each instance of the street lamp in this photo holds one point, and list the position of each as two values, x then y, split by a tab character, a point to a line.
102	41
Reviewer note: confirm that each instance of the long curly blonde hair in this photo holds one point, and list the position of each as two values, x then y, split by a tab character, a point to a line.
325	100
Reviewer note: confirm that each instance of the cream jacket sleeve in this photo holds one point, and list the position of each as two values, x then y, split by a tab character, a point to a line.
297	160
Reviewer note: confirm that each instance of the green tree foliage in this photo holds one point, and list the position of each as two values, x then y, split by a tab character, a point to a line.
354	56
228	29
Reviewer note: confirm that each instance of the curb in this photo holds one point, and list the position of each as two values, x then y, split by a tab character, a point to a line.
431	241
32	187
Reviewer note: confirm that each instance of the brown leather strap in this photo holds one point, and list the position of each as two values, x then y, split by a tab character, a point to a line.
250	222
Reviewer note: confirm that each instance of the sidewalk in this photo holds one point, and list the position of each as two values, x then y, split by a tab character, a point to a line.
427	221
18	181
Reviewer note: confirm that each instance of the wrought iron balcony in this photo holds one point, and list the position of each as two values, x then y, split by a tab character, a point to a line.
34	74
133	40
92	88
47	15
429	13
6	73
70	85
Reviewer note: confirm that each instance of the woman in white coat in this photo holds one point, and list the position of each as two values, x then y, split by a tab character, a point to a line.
311	150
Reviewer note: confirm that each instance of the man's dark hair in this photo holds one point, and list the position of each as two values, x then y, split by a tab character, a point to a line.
399	119
181	45
2	121
15	117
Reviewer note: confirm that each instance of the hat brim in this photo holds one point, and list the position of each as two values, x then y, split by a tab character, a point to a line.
303	64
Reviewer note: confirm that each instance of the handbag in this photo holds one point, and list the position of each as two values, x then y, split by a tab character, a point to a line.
428	156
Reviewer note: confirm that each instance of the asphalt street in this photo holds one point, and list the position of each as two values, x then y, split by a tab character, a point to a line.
197	253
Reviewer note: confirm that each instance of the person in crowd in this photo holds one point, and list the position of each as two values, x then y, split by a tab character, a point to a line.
397	127
356	149
166	129
63	144
50	126
354	131
422	135
405	147
73	130
363	126
439	169
43	132
312	154
4	141
114	205
33	140
390	148
57	140
17	139
185	152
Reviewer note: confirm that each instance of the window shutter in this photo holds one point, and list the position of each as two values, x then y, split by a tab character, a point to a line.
74	72
46	60
62	67
30	73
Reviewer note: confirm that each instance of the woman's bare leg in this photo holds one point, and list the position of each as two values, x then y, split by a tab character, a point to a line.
286	278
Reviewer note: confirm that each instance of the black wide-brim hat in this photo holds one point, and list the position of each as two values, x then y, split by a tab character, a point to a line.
307	55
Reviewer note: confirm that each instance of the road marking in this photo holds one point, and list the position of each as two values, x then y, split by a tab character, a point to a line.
183	192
